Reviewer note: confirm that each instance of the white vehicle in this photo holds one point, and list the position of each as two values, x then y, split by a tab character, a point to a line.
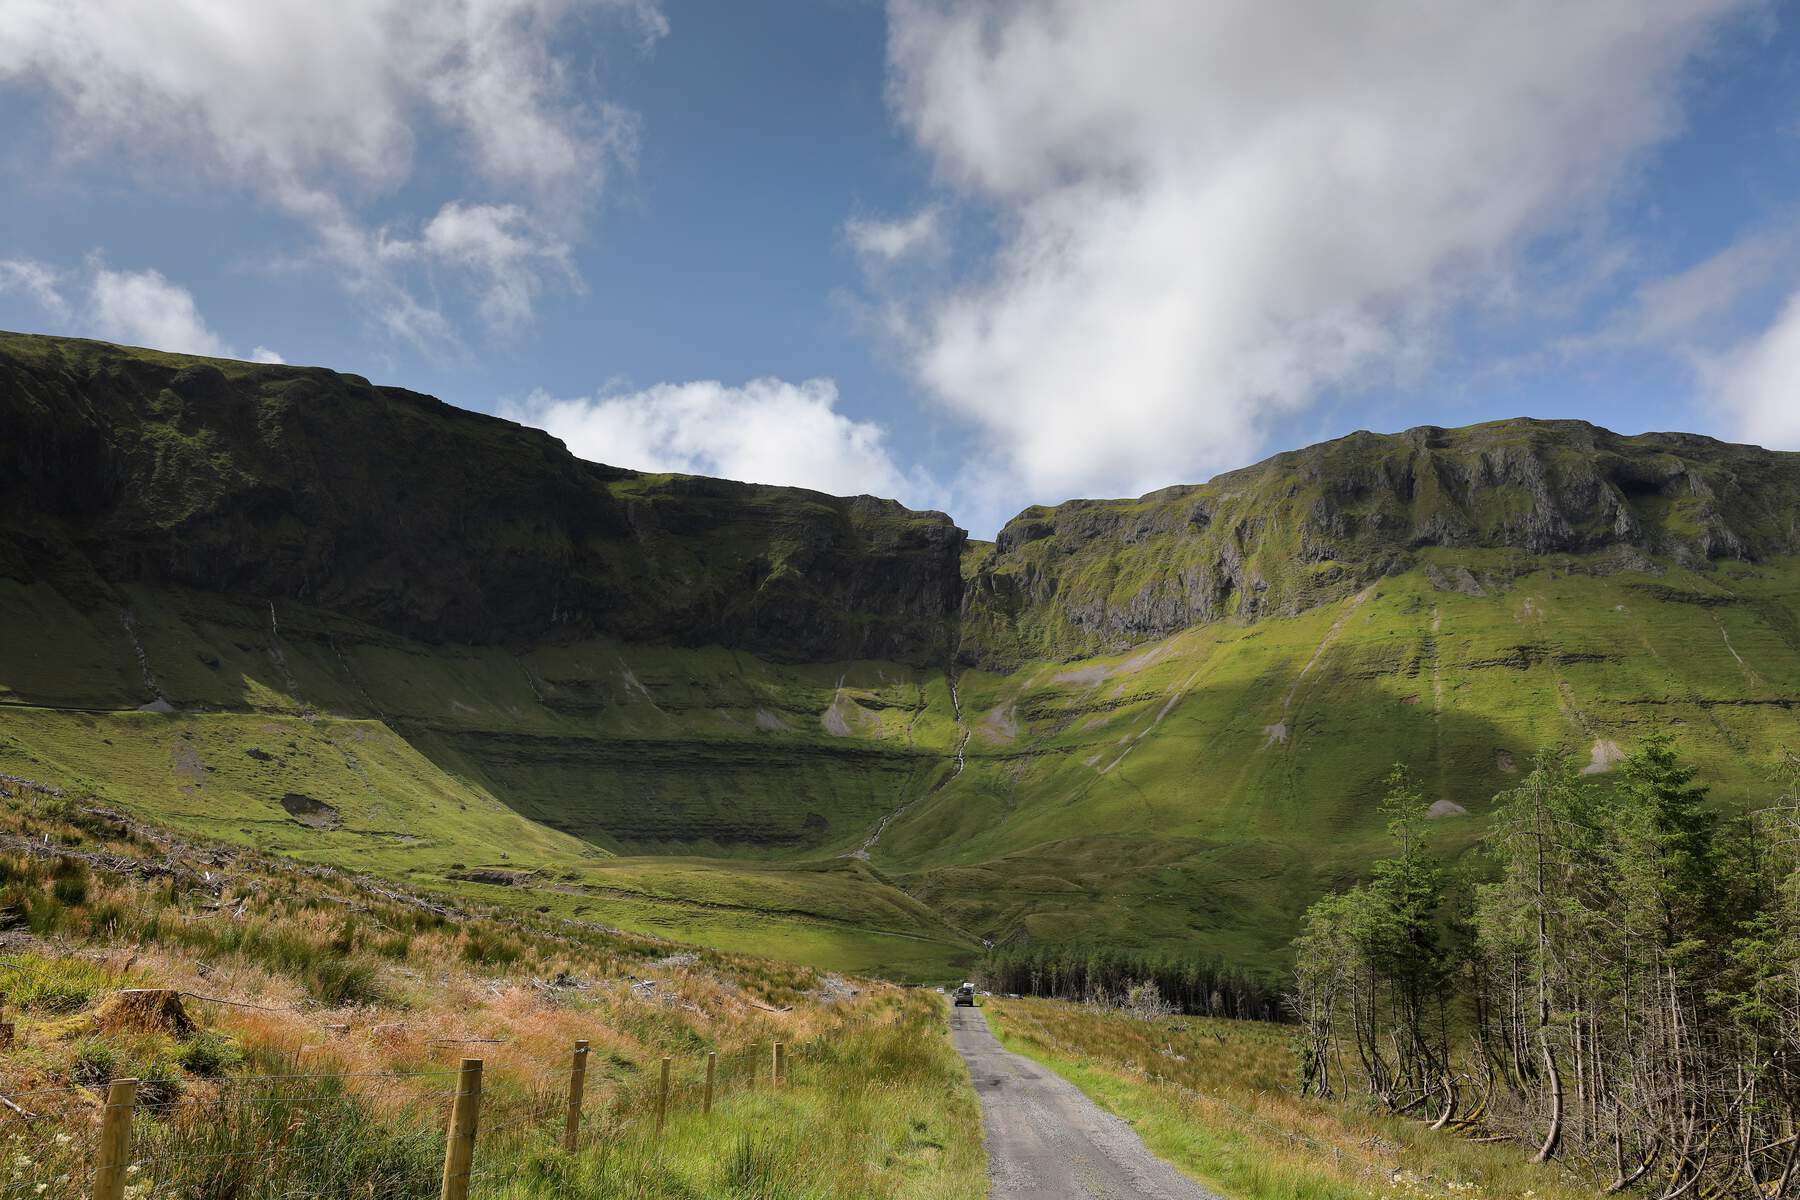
965	995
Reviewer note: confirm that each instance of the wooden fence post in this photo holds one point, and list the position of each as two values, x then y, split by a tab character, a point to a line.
662	1098
459	1142
115	1140
778	1068
712	1065
577	1085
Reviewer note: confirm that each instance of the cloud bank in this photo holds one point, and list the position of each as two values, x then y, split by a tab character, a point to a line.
1210	215
142	308
1759	382
766	431
319	107
136	308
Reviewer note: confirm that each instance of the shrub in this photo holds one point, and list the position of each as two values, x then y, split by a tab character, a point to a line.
396	946
490	949
96	1061
208	1055
70	883
43	915
343	980
158	1085
1146	1000
104	920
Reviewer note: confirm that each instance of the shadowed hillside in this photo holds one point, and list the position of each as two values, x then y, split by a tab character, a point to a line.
431	522
354	625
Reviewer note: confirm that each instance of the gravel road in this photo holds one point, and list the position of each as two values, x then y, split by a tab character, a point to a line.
1046	1141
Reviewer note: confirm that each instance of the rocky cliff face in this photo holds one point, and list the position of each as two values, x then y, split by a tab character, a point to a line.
120	466
1310	526
123	466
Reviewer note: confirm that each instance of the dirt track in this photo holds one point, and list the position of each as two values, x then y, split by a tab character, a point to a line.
1046	1141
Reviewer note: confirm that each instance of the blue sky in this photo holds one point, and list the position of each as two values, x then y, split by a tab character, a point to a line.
972	255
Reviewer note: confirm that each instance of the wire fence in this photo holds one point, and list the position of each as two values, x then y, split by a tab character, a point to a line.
445	1132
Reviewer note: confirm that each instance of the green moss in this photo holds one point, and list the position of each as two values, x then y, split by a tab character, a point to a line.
683	706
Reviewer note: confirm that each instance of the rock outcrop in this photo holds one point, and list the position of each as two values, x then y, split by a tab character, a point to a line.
1314	525
123	466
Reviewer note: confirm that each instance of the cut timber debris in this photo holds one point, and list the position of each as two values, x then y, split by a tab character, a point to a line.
497	876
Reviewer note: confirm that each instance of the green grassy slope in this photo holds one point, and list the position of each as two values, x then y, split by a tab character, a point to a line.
700	794
357	627
1199	791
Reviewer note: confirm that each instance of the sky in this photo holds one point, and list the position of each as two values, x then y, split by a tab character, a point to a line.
973	256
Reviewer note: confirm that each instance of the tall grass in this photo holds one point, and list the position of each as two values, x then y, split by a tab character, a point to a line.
41	983
332	1012
877	1107
274	1139
1218	1099
880	1107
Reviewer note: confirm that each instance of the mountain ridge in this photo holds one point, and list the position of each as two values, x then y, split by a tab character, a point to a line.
1313	525
246	477
273	480
283	608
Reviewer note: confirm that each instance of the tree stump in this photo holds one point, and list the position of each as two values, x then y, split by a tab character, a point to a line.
145	1010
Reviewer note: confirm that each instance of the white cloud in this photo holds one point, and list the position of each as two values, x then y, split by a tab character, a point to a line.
320	106
137	308
303	89
142	308
505	256
1676	308
1758	384
767	431
499	255
1211	214
878	242
38	281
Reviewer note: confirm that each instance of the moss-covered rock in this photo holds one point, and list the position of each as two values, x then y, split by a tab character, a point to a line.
1312	526
123	466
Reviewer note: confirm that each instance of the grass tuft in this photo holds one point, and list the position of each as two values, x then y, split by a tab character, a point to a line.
1217	1099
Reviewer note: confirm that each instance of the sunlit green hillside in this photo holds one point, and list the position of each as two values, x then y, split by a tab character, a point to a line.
1197	792
1200	790
699	794
356	626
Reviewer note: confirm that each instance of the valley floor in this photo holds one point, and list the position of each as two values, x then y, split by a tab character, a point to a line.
317	1020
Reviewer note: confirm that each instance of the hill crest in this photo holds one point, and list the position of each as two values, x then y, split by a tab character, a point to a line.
448	525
